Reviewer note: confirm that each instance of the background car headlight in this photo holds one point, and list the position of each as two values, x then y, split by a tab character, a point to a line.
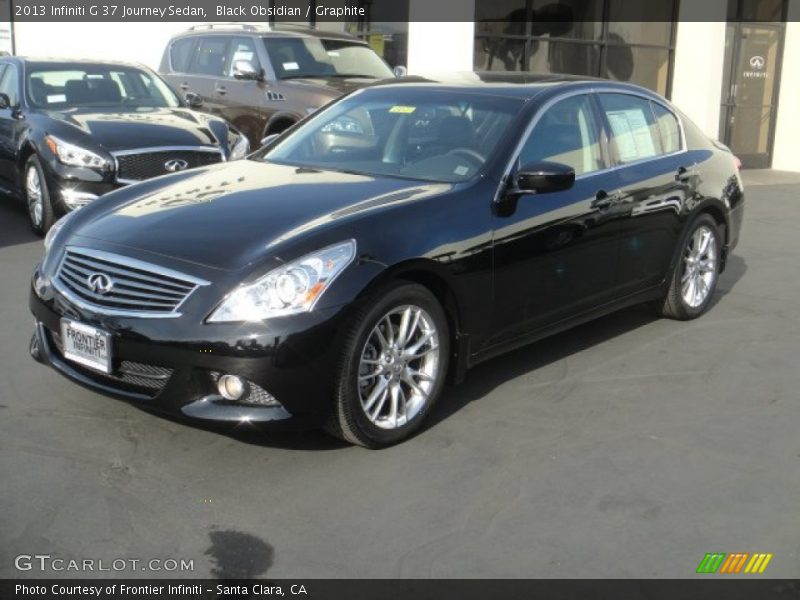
75	156
240	148
290	289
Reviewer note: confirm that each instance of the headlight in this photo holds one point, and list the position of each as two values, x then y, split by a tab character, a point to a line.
75	156
240	148
293	288
57	226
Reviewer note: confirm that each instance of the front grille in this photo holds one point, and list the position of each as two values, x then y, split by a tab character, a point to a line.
114	284
148	378
146	164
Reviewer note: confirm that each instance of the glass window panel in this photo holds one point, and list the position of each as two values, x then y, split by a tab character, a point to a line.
751	132
565	134
759	10
648	67
579	19
655	33
634	134
564	57
498	54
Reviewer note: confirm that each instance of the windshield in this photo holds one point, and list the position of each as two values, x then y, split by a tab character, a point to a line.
432	135
76	86
313	57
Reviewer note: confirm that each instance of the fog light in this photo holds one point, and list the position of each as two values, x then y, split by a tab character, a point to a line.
231	387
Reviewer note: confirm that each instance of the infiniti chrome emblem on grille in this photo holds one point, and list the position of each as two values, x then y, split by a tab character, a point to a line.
100	283
175	164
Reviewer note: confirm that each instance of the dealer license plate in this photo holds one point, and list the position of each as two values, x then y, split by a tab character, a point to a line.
86	345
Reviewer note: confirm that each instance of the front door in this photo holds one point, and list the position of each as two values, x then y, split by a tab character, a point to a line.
749	94
557	254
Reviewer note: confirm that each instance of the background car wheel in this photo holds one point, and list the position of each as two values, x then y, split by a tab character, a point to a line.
392	368
695	277
37	197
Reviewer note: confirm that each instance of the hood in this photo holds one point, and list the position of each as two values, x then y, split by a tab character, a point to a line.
141	128
230	215
336	86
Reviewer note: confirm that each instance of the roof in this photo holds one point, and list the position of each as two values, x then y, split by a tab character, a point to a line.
511	84
274	30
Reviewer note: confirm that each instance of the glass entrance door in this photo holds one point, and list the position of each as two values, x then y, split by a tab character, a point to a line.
749	94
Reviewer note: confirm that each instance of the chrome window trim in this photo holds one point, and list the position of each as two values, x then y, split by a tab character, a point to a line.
129	262
588	92
147	150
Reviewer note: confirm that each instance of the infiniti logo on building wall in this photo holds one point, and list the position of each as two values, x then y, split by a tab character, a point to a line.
175	164
100	283
757	62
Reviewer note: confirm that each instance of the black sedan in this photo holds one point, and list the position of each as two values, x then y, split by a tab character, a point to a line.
72	131
401	235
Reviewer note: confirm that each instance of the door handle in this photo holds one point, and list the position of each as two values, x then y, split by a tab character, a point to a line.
184	86
684	174
603	199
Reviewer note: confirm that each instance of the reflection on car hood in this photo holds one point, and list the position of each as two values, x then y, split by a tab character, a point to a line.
338	85
229	215
117	129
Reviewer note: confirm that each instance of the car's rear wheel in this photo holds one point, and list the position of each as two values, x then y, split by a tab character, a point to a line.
695	277
37	197
393	367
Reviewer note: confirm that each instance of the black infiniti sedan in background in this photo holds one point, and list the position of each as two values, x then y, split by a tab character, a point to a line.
72	131
405	232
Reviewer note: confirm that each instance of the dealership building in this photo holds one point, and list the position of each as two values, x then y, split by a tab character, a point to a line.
732	65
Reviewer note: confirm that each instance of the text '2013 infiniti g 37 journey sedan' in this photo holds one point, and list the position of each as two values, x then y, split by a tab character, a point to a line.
73	130
404	233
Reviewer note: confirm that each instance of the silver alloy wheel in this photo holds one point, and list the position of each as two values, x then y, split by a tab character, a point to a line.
33	188
398	367
699	266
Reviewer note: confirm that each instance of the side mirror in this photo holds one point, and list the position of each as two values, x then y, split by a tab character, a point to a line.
543	178
269	139
5	101
244	69
193	100
400	71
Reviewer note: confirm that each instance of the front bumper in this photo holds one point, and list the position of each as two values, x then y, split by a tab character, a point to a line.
159	370
73	187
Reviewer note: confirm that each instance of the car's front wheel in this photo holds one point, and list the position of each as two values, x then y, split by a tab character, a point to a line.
695	277
37	197
393	367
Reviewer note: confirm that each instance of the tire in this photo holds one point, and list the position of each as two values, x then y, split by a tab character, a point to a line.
37	197
695	276
375	403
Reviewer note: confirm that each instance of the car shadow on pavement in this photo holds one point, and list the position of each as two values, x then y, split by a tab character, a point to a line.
14	226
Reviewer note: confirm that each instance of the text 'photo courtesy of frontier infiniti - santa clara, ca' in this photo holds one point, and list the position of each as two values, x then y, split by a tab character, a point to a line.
343	292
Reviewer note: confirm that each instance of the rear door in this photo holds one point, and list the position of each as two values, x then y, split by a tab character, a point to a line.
11	127
207	68
556	254
242	101
656	176
180	54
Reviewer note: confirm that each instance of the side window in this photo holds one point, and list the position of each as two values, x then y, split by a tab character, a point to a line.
242	49
634	135
9	84
668	128
210	57
180	54
566	134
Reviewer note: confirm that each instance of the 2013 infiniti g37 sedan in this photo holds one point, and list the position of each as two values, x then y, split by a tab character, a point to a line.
339	276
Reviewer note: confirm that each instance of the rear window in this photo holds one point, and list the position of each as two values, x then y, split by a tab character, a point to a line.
180	53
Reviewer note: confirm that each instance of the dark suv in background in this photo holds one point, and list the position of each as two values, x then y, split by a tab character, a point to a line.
265	79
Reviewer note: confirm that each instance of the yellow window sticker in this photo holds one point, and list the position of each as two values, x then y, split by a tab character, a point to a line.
403	110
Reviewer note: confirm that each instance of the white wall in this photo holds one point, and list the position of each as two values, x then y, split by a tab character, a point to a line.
787	127
699	62
440	47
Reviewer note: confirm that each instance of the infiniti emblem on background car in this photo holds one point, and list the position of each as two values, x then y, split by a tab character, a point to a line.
100	283
175	164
